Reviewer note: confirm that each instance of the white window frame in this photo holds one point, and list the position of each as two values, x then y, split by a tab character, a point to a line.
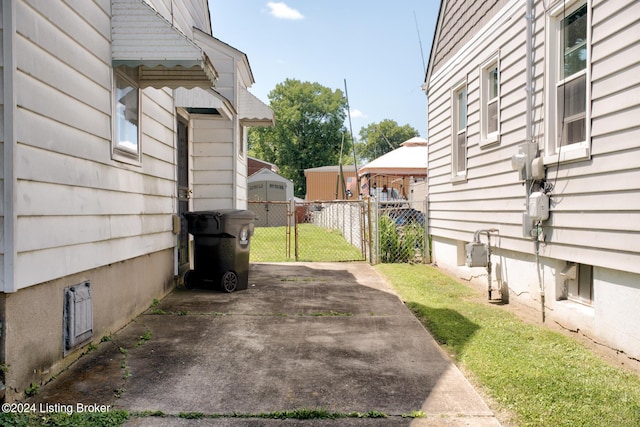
555	151
459	173
486	137
121	152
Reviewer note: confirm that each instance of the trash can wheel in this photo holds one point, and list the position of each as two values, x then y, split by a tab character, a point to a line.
191	279
229	281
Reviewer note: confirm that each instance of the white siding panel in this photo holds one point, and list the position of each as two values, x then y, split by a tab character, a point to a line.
609	201
51	199
158	104
624	120
38	165
47	101
214	177
47	68
212	164
61	138
614	81
39	232
213	149
184	14
612	63
73	259
90	54
615	220
614	17
94	14
213	192
75	26
618	141
594	255
159	169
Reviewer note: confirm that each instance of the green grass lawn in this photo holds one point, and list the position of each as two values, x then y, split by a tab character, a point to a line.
541	377
269	244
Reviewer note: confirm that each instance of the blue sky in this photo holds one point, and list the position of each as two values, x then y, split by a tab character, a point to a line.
374	45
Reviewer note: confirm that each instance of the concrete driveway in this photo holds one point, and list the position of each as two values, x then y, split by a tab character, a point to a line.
329	336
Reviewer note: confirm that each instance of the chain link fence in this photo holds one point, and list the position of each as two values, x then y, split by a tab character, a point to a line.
400	231
376	231
303	231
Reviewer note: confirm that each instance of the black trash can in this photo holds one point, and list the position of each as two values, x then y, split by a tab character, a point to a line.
221	254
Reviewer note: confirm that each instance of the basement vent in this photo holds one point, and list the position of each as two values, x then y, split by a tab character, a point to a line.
78	316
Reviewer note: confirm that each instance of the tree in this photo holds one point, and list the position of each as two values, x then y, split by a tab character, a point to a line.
379	138
308	131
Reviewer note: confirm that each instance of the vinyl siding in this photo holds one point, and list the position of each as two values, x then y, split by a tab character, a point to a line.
77	209
219	171
460	20
184	14
596	214
595	203
213	167
491	196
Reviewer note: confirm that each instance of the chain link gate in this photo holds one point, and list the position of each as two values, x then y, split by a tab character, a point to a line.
401	232
372	230
310	231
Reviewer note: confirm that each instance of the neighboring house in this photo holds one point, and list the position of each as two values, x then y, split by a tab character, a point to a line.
324	183
521	110
268	186
256	165
104	148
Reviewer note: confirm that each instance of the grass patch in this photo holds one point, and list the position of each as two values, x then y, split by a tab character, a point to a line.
316	244
542	377
330	313
145	337
292	414
60	419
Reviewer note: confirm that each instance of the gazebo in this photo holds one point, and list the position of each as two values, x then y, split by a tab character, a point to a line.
390	175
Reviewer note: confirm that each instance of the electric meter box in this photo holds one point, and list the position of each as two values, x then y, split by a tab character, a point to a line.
476	254
539	206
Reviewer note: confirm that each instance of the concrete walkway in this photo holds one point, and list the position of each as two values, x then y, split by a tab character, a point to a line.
329	336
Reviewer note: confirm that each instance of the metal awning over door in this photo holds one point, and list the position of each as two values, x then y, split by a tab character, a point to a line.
165	57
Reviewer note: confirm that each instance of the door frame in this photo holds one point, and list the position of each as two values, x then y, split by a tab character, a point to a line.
183	185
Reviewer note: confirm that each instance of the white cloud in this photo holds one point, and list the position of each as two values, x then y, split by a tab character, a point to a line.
357	114
282	11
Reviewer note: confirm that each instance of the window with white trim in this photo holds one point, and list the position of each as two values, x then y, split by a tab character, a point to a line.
489	102
126	139
459	133
568	91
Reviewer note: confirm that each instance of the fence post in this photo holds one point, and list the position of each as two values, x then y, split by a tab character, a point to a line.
373	231
427	257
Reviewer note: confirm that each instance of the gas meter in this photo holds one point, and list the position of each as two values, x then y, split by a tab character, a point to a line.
476	254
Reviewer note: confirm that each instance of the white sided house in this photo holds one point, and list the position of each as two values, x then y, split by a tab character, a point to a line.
534	145
118	117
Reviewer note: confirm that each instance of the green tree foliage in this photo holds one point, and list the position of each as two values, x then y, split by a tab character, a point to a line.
308	132
379	138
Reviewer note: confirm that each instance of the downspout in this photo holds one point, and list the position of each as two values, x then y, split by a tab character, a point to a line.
9	142
238	138
529	132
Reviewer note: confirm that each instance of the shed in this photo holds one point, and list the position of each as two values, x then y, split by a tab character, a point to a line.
266	185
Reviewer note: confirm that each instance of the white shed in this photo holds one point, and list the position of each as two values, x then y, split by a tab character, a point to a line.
266	185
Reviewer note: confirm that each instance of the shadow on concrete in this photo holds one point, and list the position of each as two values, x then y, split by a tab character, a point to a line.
302	336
